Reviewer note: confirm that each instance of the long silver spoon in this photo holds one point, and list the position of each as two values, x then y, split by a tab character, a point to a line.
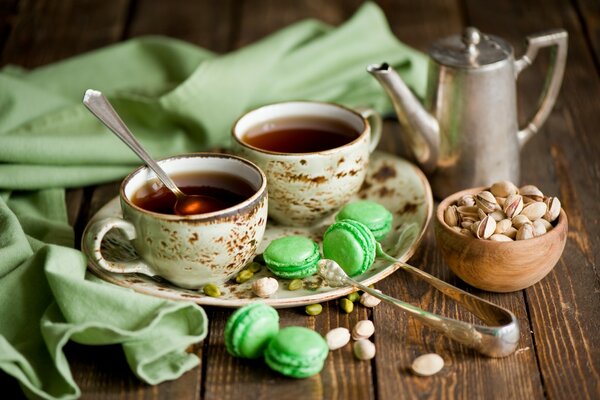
497	340
186	204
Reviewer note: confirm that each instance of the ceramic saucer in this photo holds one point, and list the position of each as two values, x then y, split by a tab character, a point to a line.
391	181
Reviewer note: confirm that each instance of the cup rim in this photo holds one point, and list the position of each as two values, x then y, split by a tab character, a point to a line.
366	128
236	209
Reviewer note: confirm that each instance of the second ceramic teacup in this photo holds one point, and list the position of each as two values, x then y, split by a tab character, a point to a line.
315	155
190	250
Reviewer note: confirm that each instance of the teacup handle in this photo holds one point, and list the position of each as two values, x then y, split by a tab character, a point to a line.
93	240
375	123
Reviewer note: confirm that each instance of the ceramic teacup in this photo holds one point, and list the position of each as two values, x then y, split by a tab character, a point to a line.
193	250
304	188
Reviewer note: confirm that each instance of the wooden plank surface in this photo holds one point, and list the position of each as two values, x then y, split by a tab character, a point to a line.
559	317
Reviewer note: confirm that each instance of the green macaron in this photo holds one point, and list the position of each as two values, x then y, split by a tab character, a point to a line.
297	352
250	329
350	244
292	257
373	215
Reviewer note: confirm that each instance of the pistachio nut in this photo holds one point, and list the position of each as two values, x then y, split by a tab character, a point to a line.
486	227
451	216
553	205
466	224
313	309
364	349
532	192
363	329
468	212
520	220
475	227
346	305
353	297
486	201
546	224
498	215
538	227
265	287
368	300
511	232
295	284
513	205
525	232
337	338
503	189
212	290
467	200
501	201
254	267
481	214
498	237
535	211
503	225
244	275
427	364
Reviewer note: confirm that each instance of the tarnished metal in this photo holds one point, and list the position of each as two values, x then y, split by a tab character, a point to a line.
466	134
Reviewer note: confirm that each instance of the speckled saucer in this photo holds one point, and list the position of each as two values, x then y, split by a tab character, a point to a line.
391	181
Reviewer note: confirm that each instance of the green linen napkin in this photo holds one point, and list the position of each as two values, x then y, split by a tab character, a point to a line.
176	98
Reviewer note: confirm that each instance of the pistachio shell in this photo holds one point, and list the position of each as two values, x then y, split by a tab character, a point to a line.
513	205
363	330
511	232
553	205
520	220
265	287
368	300
501	201
481	214
535	211
546	224
466	224
467	200
498	215
532	192
538	227
337	338
486	227
427	364
503	226
498	237
451	216
486	201
525	232
364	349
468	211
503	189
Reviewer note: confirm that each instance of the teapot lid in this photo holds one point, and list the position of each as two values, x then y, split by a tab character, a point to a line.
472	49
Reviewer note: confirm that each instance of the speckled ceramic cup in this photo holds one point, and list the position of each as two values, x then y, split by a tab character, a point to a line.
304	188
189	251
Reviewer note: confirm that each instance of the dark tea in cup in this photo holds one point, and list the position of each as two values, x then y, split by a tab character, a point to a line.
300	135
221	189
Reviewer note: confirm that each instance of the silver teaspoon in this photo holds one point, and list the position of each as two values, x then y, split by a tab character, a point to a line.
186	204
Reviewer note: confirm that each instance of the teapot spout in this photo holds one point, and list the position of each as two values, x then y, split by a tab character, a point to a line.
421	129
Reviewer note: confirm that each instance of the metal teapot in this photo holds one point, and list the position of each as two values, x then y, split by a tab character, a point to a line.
466	134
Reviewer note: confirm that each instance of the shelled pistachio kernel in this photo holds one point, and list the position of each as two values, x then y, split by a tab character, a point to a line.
353	297
313	309
244	275
337	338
346	305
364	349
254	267
211	290
295	284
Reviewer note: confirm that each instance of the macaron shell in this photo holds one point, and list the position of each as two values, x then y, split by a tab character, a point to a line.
373	215
249	330
351	245
297	352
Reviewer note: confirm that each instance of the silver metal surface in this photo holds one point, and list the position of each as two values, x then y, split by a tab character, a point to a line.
498	339
466	133
99	105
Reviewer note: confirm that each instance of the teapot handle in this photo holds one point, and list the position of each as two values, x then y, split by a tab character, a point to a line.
558	39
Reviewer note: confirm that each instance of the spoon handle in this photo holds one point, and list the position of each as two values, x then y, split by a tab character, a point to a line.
99	105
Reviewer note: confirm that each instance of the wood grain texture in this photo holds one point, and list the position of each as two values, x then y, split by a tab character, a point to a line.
563	160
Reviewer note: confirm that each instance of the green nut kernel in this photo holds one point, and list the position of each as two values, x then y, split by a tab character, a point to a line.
346	305
313	309
212	290
254	267
295	284
353	297
259	259
244	276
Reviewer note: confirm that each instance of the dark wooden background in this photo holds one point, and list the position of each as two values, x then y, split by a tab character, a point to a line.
559	352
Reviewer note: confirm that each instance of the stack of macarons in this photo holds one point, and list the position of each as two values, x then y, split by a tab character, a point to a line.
369	213
253	331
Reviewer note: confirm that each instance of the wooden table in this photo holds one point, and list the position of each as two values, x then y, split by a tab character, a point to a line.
559	353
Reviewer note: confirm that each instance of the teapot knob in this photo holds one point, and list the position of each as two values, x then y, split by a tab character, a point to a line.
471	38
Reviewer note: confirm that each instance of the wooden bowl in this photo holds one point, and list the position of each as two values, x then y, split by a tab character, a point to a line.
498	266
